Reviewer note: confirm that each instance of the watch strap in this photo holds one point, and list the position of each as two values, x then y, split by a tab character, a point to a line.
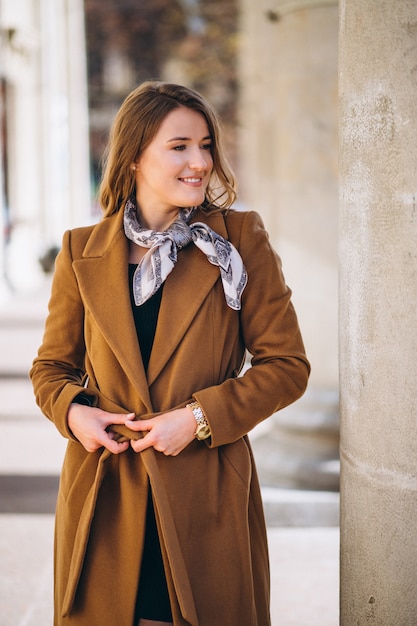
203	429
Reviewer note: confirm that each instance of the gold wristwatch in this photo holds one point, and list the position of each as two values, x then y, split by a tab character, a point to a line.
203	429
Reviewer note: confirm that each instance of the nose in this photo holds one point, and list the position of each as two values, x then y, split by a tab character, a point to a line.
200	159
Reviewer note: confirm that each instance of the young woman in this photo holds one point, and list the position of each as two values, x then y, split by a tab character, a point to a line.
159	514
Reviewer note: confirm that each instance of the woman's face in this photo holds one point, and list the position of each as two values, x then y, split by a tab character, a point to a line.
174	170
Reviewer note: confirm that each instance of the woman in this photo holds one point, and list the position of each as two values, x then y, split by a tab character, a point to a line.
159	514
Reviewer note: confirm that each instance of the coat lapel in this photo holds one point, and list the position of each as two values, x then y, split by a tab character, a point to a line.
185	289
102	276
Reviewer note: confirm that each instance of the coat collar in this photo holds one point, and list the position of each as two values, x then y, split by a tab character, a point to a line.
102	276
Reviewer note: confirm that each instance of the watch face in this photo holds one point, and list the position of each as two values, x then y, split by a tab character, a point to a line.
203	432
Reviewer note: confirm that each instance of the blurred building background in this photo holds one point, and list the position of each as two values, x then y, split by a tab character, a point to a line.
65	68
184	41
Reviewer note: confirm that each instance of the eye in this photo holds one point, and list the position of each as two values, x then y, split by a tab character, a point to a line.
206	146
180	147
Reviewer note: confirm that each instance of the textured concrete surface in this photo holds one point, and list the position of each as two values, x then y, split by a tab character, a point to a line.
377	312
302	526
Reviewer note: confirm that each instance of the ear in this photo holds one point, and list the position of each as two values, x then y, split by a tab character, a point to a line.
134	166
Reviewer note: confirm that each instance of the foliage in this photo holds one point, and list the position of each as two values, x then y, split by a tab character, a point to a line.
188	41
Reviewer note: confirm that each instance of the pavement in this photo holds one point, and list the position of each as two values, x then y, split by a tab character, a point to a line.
302	526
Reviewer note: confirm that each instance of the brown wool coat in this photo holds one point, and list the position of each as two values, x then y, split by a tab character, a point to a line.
207	499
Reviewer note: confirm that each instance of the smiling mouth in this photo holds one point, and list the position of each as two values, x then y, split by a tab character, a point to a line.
191	180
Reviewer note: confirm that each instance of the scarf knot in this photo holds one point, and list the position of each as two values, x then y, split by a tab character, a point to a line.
162	255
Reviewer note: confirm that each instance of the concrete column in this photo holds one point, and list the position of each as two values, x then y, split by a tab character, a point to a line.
43	59
4	288
378	312
20	53
65	118
288	123
80	211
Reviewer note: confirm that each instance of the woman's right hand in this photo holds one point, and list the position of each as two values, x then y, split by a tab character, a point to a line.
88	424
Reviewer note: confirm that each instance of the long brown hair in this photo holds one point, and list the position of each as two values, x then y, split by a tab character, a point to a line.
134	127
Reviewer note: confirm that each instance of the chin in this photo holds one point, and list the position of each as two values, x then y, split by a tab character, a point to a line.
196	200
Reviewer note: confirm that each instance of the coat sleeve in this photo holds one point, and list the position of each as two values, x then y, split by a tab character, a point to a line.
279	368
57	372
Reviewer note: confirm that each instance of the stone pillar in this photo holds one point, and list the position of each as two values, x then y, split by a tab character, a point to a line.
289	170
21	154
378	312
4	288
80	209
64	104
43	62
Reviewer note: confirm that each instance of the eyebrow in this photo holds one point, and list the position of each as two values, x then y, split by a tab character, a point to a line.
187	139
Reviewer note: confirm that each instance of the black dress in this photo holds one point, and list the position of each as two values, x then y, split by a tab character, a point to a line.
152	600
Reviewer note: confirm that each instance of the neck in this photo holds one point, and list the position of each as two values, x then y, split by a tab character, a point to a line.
156	218
157	223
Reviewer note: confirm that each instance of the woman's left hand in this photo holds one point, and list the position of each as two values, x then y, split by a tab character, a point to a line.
168	433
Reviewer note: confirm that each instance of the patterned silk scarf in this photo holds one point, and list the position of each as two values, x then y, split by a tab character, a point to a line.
162	255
